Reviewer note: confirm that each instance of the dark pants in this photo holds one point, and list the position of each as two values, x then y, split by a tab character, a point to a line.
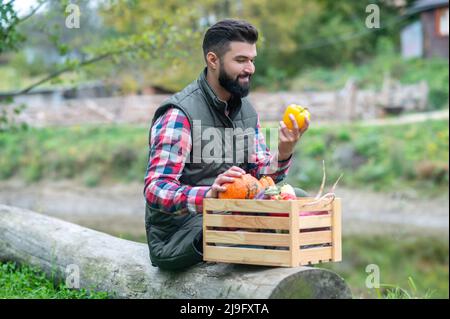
176	247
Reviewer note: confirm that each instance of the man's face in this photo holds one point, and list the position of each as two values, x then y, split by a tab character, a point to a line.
237	67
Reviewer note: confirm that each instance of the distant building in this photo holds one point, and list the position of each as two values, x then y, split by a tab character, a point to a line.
427	36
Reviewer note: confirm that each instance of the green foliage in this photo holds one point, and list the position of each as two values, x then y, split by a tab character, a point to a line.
149	37
10	37
8	116
320	34
25	282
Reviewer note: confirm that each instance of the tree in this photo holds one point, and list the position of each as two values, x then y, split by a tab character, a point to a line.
159	40
164	38
301	34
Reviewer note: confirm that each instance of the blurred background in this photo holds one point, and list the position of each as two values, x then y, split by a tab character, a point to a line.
80	80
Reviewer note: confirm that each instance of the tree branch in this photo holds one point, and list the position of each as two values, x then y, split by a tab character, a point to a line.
10	2
33	11
56	74
20	20
69	68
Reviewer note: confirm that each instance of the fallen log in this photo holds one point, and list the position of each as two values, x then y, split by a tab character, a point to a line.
122	267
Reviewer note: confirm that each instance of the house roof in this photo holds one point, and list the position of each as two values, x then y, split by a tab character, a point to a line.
425	5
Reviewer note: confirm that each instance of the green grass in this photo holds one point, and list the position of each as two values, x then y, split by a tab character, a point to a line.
410	266
387	291
402	157
25	282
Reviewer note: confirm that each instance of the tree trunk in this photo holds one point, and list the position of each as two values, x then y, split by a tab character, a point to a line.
122	267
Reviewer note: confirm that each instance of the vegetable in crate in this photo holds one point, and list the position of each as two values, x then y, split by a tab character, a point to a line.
245	187
284	192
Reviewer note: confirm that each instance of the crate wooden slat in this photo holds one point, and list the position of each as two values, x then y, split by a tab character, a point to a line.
267	257
264	222
264	206
311	233
318	237
314	255
252	238
305	206
315	221
337	231
294	235
245	205
240	221
246	238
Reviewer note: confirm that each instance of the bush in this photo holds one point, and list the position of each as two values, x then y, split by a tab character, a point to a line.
92	178
123	158
434	171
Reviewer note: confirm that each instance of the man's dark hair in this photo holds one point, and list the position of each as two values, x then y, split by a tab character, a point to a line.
218	37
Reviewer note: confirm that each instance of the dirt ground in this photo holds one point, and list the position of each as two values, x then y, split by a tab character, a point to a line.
119	209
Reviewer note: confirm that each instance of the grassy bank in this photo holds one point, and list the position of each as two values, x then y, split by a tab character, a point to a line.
418	265
407	157
24	282
402	157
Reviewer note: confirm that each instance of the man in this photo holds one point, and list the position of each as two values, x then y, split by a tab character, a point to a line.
181	170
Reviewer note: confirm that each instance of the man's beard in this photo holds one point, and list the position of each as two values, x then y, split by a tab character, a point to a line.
232	85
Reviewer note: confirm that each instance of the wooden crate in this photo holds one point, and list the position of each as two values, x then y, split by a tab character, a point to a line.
230	226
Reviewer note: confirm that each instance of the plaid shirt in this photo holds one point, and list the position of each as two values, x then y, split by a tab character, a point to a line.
163	191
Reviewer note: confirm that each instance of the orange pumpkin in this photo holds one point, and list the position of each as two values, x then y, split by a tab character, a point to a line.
244	187
235	190
253	186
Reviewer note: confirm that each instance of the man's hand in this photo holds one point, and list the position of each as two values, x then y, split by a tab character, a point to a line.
225	177
287	139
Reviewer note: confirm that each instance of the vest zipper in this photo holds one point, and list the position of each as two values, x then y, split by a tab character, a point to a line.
234	139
